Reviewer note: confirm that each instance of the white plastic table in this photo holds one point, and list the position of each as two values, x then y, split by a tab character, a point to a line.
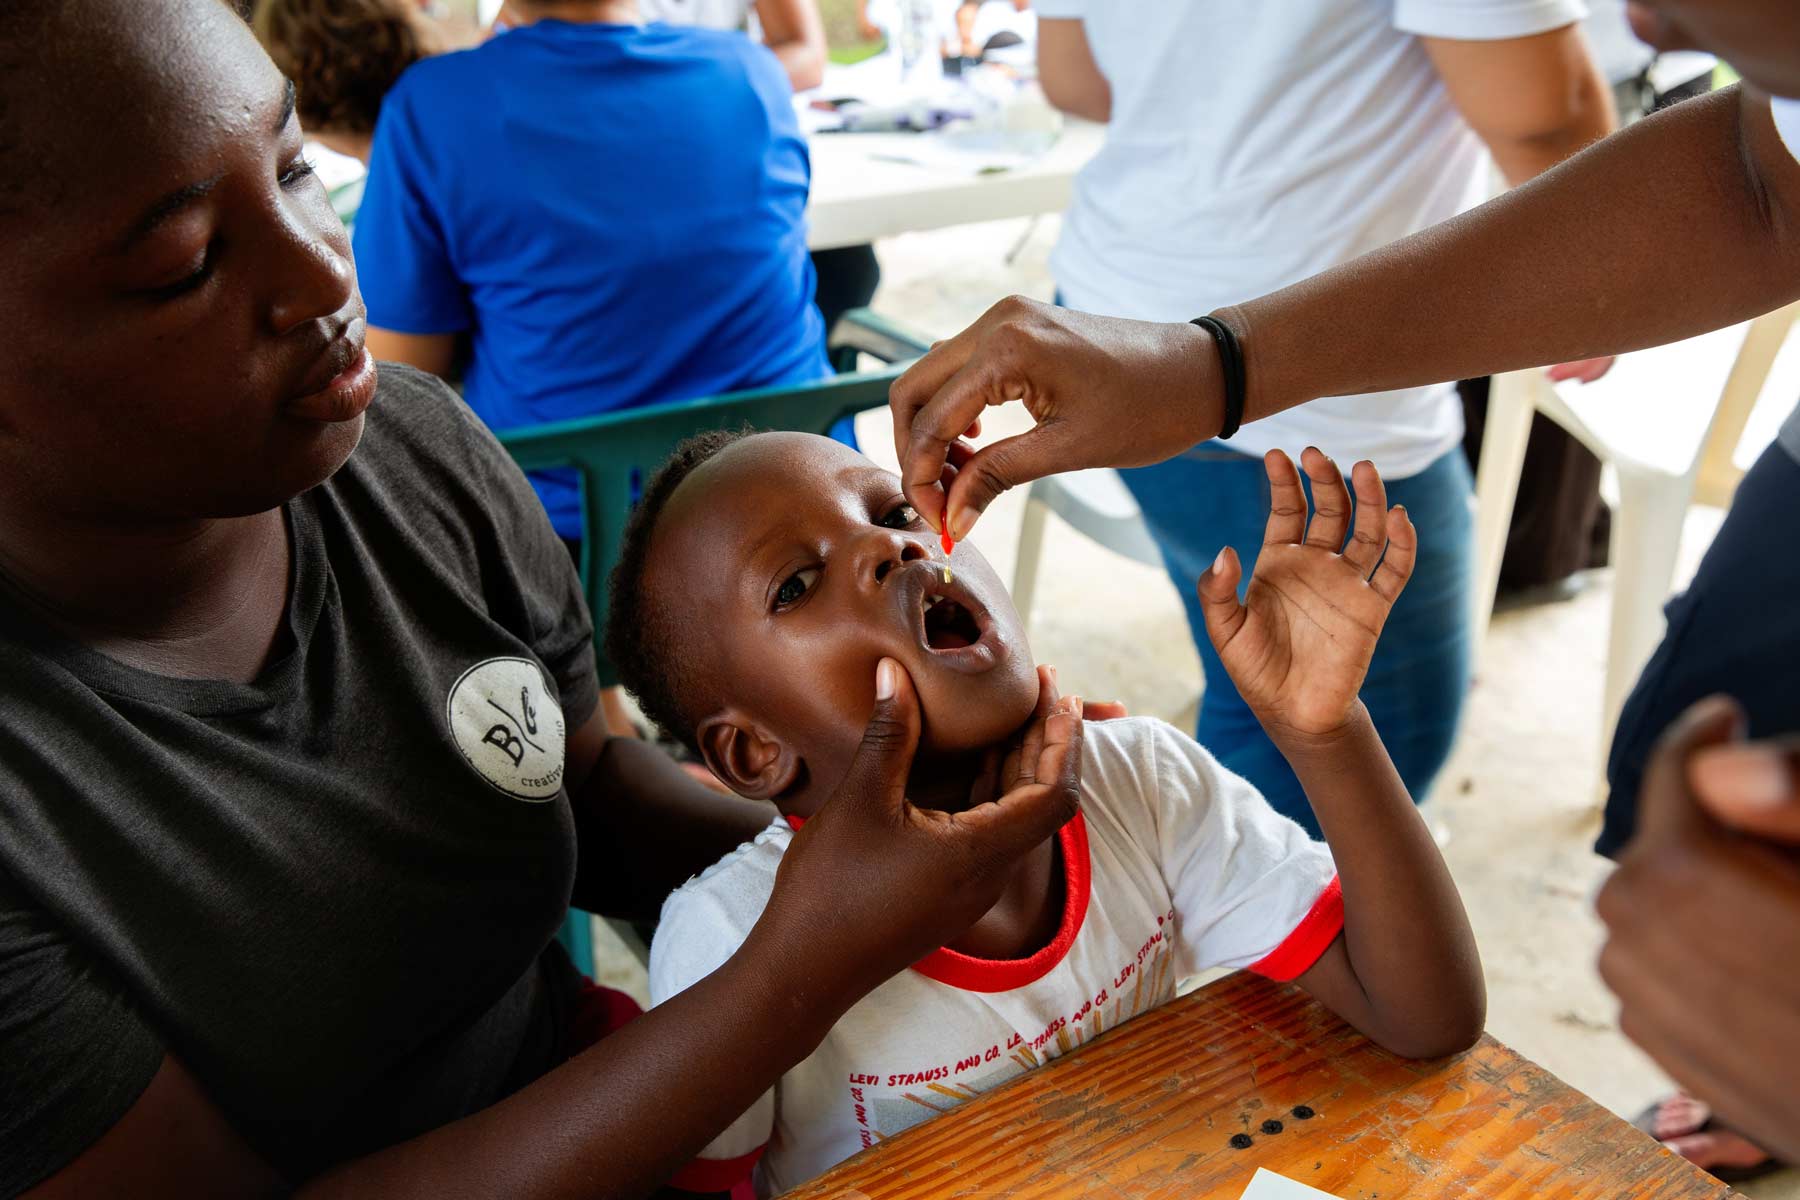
858	196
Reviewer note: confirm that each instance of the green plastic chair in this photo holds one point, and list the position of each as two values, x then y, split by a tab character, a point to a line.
614	454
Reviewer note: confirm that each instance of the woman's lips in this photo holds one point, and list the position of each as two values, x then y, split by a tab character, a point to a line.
345	398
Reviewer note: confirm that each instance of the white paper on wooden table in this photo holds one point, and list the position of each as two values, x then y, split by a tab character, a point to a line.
1267	1185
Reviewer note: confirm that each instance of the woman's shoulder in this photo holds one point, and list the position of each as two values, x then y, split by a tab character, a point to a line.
428	464
419	419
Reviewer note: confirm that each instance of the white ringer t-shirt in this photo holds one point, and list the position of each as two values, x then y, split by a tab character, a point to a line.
1255	144
1174	866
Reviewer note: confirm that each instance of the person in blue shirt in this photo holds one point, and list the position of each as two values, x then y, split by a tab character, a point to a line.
613	214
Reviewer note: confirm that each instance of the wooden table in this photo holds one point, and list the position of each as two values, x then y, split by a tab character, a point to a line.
1151	1110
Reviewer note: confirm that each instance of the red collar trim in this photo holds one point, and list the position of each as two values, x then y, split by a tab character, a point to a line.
1003	975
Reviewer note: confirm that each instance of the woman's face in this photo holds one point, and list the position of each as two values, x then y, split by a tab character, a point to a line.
182	333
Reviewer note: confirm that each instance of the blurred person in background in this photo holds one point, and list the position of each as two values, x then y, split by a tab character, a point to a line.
1250	146
794	32
344	56
606	214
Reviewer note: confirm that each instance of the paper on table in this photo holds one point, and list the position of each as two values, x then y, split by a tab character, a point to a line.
1267	1185
970	152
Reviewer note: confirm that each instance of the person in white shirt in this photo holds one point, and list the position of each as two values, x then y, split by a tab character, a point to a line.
793	30
765	579
1703	914
1251	145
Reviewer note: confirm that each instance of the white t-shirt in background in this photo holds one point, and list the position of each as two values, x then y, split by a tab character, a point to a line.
708	14
1174	867
1255	144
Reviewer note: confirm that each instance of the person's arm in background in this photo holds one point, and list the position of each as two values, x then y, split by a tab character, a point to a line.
1067	72
868	29
795	31
1575	264
433	352
1533	100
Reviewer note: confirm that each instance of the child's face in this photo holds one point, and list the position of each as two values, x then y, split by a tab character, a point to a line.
800	566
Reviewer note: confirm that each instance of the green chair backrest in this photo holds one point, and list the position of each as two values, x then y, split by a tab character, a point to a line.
615	454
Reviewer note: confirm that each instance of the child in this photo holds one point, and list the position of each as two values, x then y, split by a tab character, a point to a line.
765	580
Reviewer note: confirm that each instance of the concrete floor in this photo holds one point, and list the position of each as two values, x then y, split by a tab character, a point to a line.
1519	800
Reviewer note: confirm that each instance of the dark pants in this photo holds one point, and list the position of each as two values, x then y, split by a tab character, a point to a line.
1735	630
847	279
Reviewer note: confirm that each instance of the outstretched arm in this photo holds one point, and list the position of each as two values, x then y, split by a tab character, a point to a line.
1577	263
1405	971
1573	265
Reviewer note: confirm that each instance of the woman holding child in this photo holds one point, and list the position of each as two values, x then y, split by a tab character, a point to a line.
301	763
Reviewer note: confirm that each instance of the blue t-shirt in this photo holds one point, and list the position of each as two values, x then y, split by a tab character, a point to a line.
615	215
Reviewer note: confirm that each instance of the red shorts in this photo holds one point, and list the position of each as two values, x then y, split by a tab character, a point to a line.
598	1012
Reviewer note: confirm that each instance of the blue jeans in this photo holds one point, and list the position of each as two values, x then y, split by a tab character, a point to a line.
1735	630
1212	496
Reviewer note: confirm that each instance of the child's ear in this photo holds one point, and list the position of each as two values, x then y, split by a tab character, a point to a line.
744	756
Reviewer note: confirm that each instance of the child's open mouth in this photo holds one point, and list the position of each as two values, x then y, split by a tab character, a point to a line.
948	625
949	619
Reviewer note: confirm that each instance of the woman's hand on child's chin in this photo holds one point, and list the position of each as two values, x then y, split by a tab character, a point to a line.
1299	644
871	883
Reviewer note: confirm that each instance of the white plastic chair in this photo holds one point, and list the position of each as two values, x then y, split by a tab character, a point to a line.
1097	504
1655	418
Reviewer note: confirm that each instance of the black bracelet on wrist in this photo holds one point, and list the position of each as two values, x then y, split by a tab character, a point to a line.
1231	358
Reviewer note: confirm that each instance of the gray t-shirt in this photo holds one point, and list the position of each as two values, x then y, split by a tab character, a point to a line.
331	892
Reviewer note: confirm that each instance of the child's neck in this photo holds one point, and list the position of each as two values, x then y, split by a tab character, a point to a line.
1026	917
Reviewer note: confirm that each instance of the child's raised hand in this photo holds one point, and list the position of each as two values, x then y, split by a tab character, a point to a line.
1299	644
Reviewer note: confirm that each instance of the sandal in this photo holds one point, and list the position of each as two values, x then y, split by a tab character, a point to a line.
1646	1121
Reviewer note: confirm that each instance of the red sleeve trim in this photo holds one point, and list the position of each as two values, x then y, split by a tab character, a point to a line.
1309	940
1003	975
716	1174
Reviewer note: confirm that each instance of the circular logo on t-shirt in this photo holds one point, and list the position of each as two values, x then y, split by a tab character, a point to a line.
509	726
